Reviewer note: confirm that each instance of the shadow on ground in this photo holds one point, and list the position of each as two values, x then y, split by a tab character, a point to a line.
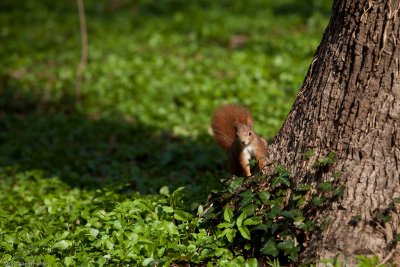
91	153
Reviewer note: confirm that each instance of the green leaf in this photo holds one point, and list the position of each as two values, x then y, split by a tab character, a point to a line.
164	190
235	184
286	245
367	261
229	233
290	214
249	209
237	262
303	187
280	180
168	209
102	260
244	231
274	212
225	225
169	227
309	153
252	221
274	227
239	220
62	245
325	186
93	232
69	261
247	198
269	248
251	263
264	196
117	224
200	210
160	252
318	201
328	160
191	248
397	238
181	215
6	258
147	261
228	214
205	253
289	249
339	191
108	244
297	221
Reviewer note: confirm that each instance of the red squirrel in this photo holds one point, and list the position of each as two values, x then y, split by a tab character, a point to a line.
232	126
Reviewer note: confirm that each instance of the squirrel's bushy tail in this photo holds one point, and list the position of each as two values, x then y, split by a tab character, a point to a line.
224	120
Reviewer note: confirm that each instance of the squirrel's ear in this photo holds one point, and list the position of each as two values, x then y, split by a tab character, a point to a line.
250	122
235	125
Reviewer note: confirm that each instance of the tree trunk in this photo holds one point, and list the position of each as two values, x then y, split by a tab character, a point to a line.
349	104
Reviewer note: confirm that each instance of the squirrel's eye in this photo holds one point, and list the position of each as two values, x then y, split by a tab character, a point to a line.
249	133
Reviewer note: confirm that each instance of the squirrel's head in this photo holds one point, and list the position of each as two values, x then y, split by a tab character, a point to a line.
244	133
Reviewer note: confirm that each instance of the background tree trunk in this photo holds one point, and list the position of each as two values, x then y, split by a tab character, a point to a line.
350	104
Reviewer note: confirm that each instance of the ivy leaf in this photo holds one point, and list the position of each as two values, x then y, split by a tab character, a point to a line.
289	213
274	212
235	184
289	249
247	198
286	245
264	196
303	187
325	186
269	248
328	160
298	221
309	153
339	191
397	238
318	201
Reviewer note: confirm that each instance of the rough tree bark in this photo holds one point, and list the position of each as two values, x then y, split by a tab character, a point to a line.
350	104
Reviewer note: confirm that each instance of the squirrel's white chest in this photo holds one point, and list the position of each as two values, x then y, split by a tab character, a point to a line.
248	153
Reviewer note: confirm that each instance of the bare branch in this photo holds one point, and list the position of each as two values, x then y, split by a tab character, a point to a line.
84	53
